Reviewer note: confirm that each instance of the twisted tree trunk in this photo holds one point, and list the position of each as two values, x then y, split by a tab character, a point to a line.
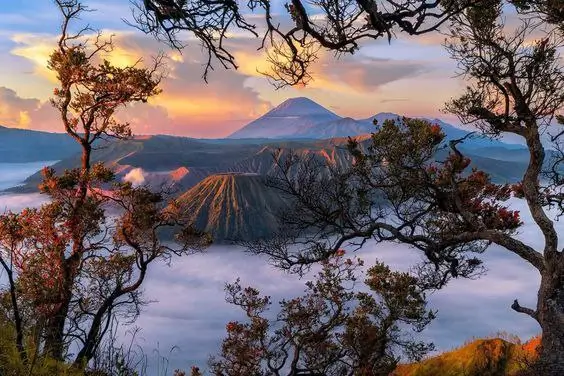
55	328
550	315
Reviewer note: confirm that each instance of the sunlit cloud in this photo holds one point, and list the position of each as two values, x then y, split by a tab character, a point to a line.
136	177
187	105
37	48
347	75
14	110
360	85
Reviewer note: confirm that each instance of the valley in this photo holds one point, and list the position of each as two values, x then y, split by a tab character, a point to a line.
220	186
320	188
186	167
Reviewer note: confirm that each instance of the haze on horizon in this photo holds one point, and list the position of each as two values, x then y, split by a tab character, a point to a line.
379	78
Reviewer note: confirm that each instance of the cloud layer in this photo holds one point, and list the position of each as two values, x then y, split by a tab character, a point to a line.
188	312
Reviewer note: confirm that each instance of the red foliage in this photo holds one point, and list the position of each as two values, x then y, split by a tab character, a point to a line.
475	193
231	326
517	190
40	262
435	129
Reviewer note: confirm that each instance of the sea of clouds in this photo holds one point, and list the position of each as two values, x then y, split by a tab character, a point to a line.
186	319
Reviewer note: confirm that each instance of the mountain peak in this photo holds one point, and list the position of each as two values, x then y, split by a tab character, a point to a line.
299	106
233	206
291	118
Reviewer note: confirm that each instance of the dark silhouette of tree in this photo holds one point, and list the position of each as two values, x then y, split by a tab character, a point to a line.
292	40
517	86
394	191
79	261
333	329
11	244
551	11
397	191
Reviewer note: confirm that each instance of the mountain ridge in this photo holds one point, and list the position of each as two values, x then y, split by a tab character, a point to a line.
298	106
232	207
18	145
293	115
302	118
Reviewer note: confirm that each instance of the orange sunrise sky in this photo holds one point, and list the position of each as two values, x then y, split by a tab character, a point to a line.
412	77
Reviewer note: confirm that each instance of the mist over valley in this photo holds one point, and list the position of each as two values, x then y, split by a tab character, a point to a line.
222	183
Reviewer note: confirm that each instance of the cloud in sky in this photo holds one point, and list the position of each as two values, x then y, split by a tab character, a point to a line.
14	110
36	48
359	84
187	106
348	74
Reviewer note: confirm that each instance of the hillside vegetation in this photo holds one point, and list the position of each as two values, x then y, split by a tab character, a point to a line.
482	357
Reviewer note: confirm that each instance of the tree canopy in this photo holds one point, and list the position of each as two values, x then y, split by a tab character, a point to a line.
78	262
333	329
399	189
293	37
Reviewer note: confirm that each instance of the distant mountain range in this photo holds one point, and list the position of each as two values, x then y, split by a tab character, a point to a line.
294	119
22	145
156	159
302	118
219	180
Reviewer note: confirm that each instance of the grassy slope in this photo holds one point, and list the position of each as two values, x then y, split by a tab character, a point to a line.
482	357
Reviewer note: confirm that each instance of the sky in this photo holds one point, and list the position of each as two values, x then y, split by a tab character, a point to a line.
411	76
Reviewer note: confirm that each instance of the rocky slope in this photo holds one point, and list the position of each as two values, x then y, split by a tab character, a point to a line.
157	159
233	207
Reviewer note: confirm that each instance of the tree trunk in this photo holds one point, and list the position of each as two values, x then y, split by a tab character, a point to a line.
18	322
17	318
55	328
54	335
551	318
84	171
93	338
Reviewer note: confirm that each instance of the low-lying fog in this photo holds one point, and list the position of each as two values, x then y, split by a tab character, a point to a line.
189	313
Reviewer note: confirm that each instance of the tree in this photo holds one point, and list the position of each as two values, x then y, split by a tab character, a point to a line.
331	330
396	190
292	40
518	87
80	260
11	244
